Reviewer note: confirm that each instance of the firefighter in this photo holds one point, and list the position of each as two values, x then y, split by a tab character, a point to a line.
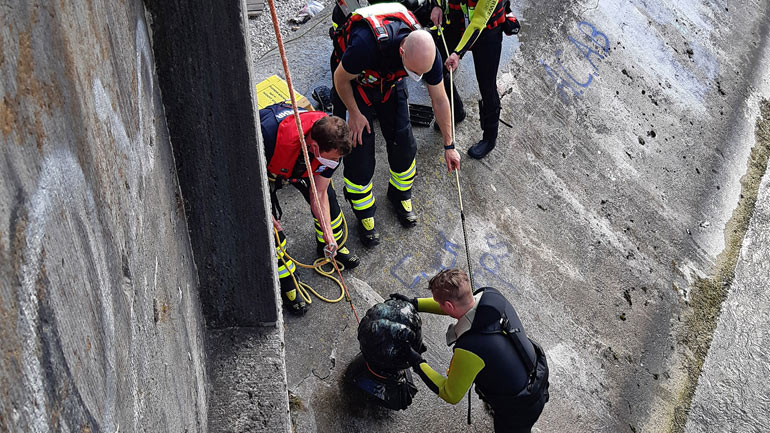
476	26
328	140
374	49
491	350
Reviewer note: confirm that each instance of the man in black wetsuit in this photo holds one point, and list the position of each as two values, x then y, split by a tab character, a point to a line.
490	349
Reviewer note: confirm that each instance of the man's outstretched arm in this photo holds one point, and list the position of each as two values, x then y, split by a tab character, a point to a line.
463	368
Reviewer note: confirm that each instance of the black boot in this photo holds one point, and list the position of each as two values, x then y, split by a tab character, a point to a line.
490	120
292	300
481	149
367	233
404	211
323	96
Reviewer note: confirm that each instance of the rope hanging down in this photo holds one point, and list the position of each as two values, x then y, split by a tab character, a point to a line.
313	192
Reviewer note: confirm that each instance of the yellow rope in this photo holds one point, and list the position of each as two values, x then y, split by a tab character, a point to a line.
305	289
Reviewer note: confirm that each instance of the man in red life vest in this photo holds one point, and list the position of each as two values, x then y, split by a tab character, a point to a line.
374	49
328	140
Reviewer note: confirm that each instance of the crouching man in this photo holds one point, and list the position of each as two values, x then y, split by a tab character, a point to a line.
490	349
328	140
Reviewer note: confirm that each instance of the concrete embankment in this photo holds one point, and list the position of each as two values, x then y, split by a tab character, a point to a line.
604	207
131	154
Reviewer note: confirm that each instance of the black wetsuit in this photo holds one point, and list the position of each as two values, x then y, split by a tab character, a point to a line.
488	357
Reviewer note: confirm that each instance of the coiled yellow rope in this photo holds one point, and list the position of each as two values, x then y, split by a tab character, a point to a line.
318	265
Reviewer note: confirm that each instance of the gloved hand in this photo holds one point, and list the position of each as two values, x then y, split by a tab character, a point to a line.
415	359
404	298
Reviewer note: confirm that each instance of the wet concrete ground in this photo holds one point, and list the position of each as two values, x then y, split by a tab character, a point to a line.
597	212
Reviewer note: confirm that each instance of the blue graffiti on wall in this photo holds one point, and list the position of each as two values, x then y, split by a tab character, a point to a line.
487	271
563	78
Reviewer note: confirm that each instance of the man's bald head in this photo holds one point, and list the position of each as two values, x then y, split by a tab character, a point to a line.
418	51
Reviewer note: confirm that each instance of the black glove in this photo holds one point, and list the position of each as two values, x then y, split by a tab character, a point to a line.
404	298
415	359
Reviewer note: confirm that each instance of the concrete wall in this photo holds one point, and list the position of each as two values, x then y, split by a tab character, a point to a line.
203	64
99	318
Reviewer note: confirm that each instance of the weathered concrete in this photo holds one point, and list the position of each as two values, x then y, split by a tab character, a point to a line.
209	94
100	322
733	393
632	126
203	63
248	381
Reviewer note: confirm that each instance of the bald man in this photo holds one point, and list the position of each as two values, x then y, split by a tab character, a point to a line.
375	49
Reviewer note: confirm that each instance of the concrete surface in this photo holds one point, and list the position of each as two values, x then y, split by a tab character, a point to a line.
733	393
248	381
208	92
204	66
596	215
100	321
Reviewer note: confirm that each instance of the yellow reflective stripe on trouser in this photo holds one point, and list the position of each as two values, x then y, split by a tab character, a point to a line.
357	189
364	203
278	252
336	222
283	272
320	235
336	228
403	181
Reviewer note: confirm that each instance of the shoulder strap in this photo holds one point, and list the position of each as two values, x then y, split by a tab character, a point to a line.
516	337
496	322
376	15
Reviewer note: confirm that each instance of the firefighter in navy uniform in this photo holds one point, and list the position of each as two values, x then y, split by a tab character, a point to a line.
374	49
328	139
476	26
490	349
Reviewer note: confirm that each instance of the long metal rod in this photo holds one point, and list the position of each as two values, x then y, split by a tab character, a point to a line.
457	171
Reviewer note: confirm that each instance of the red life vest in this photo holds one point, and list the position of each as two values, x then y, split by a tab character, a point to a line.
376	17
288	147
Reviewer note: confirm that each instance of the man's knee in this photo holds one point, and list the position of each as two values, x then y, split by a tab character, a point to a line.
404	138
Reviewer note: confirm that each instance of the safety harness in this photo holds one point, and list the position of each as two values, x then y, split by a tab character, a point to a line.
376	18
